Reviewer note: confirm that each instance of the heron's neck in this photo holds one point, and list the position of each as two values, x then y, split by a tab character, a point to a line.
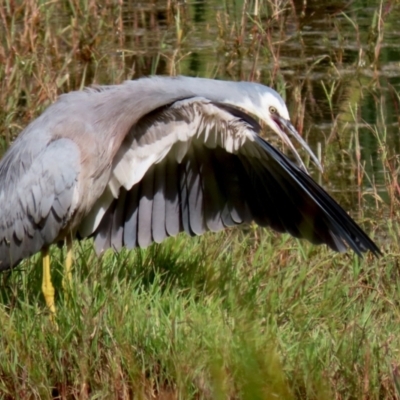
122	106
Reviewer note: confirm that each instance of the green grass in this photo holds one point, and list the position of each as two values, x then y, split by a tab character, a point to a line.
242	315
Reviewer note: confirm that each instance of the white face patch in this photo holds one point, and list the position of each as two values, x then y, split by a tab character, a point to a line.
273	99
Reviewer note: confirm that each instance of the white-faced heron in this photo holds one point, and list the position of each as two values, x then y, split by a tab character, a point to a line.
135	163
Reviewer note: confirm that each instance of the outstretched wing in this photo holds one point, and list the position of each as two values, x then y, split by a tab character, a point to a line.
36	197
198	166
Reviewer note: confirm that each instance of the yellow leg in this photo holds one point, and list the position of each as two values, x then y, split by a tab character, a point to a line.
47	286
67	280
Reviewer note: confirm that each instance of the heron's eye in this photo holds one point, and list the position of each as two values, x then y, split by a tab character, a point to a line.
273	110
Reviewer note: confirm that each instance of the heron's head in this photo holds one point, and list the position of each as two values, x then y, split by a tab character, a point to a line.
273	111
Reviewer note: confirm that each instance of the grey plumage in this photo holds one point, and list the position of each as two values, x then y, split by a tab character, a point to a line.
158	222
145	213
135	163
173	223
131	222
36	200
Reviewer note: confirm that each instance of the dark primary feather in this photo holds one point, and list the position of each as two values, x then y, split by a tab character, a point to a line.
211	189
342	226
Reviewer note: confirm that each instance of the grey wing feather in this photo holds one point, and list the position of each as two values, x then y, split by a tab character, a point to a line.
131	217
145	209
102	241
158	220
111	228
184	197
46	204
118	222
36	200
196	200
214	199
173	222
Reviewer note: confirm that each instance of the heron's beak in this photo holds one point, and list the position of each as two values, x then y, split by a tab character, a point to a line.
285	125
